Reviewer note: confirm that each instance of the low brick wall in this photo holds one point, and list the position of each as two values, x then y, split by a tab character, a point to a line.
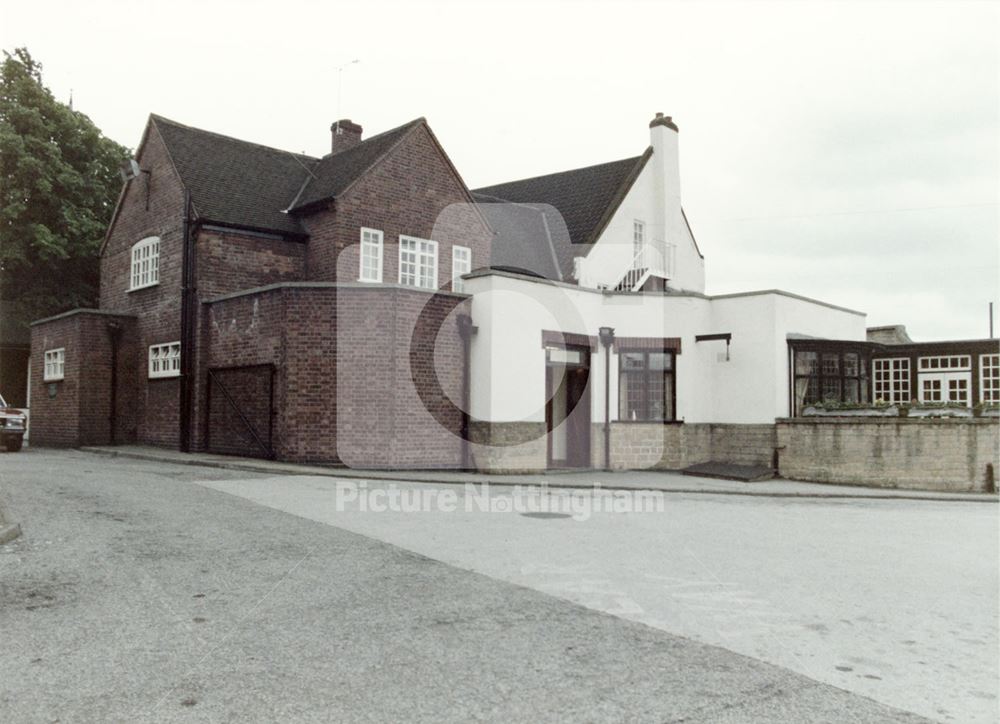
931	454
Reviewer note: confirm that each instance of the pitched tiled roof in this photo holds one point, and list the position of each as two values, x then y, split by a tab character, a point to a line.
585	198
336	172
236	182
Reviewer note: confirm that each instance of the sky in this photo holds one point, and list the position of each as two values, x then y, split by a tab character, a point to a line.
845	151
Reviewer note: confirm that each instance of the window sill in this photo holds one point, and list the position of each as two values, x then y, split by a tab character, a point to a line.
144	286
173	376
53	379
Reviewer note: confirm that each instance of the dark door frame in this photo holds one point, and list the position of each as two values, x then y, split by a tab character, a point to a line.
578	441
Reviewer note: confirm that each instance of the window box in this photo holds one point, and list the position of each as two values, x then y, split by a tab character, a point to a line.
858	411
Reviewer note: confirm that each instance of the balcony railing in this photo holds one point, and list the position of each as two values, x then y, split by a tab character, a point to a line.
656	260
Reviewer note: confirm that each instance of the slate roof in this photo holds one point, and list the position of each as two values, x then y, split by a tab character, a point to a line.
584	197
243	184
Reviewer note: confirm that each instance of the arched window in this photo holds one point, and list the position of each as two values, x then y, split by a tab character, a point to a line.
145	263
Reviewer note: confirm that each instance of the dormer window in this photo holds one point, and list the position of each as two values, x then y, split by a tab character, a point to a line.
145	263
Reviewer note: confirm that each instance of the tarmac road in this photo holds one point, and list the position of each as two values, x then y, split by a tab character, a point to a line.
136	595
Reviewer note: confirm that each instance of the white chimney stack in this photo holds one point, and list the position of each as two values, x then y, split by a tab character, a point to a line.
663	137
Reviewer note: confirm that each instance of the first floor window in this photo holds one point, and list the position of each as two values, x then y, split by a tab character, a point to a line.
418	262
371	256
145	263
461	263
55	364
891	380
989	378
646	386
638	235
165	360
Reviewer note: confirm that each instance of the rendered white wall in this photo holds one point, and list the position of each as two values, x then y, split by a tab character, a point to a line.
655	200
508	361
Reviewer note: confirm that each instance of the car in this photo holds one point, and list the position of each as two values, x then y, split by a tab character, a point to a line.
12	426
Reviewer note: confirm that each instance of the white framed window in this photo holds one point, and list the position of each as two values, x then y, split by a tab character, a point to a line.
989	378
461	263
949	362
638	235
891	380
371	256
55	364
418	262
145	263
165	359
945	387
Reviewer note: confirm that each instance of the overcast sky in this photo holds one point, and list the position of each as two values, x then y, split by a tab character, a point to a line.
845	151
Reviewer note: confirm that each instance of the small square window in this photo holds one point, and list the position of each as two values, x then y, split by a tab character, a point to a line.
165	360
55	365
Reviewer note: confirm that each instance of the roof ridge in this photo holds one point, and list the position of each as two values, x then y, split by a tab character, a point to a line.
158	118
633	159
415	121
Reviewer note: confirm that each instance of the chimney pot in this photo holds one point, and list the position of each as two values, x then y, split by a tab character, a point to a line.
344	134
662	120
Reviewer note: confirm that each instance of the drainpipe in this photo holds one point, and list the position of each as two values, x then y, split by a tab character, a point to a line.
187	285
115	333
466	329
607	337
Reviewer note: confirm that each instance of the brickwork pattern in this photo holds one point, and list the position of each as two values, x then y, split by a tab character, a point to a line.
79	410
154	404
411	192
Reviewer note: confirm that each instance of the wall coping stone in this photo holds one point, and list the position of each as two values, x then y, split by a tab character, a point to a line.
281	286
925	421
82	310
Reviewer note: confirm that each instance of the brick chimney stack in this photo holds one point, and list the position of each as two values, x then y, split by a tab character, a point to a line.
345	134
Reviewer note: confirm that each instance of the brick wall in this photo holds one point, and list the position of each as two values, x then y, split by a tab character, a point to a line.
155	403
411	191
947	454
77	411
230	261
346	383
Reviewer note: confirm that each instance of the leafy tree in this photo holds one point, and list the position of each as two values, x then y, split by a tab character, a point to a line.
58	186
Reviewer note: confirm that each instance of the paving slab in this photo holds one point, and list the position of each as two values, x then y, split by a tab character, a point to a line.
666	481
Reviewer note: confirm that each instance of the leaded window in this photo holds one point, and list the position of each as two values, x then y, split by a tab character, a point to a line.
646	386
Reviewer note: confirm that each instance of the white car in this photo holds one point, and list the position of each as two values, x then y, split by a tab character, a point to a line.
12	426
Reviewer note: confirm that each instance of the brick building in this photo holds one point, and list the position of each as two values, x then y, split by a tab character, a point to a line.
237	315
366	308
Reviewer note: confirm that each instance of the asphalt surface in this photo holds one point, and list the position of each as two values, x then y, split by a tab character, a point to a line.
136	595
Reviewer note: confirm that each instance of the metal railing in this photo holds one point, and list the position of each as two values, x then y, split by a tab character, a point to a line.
656	259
